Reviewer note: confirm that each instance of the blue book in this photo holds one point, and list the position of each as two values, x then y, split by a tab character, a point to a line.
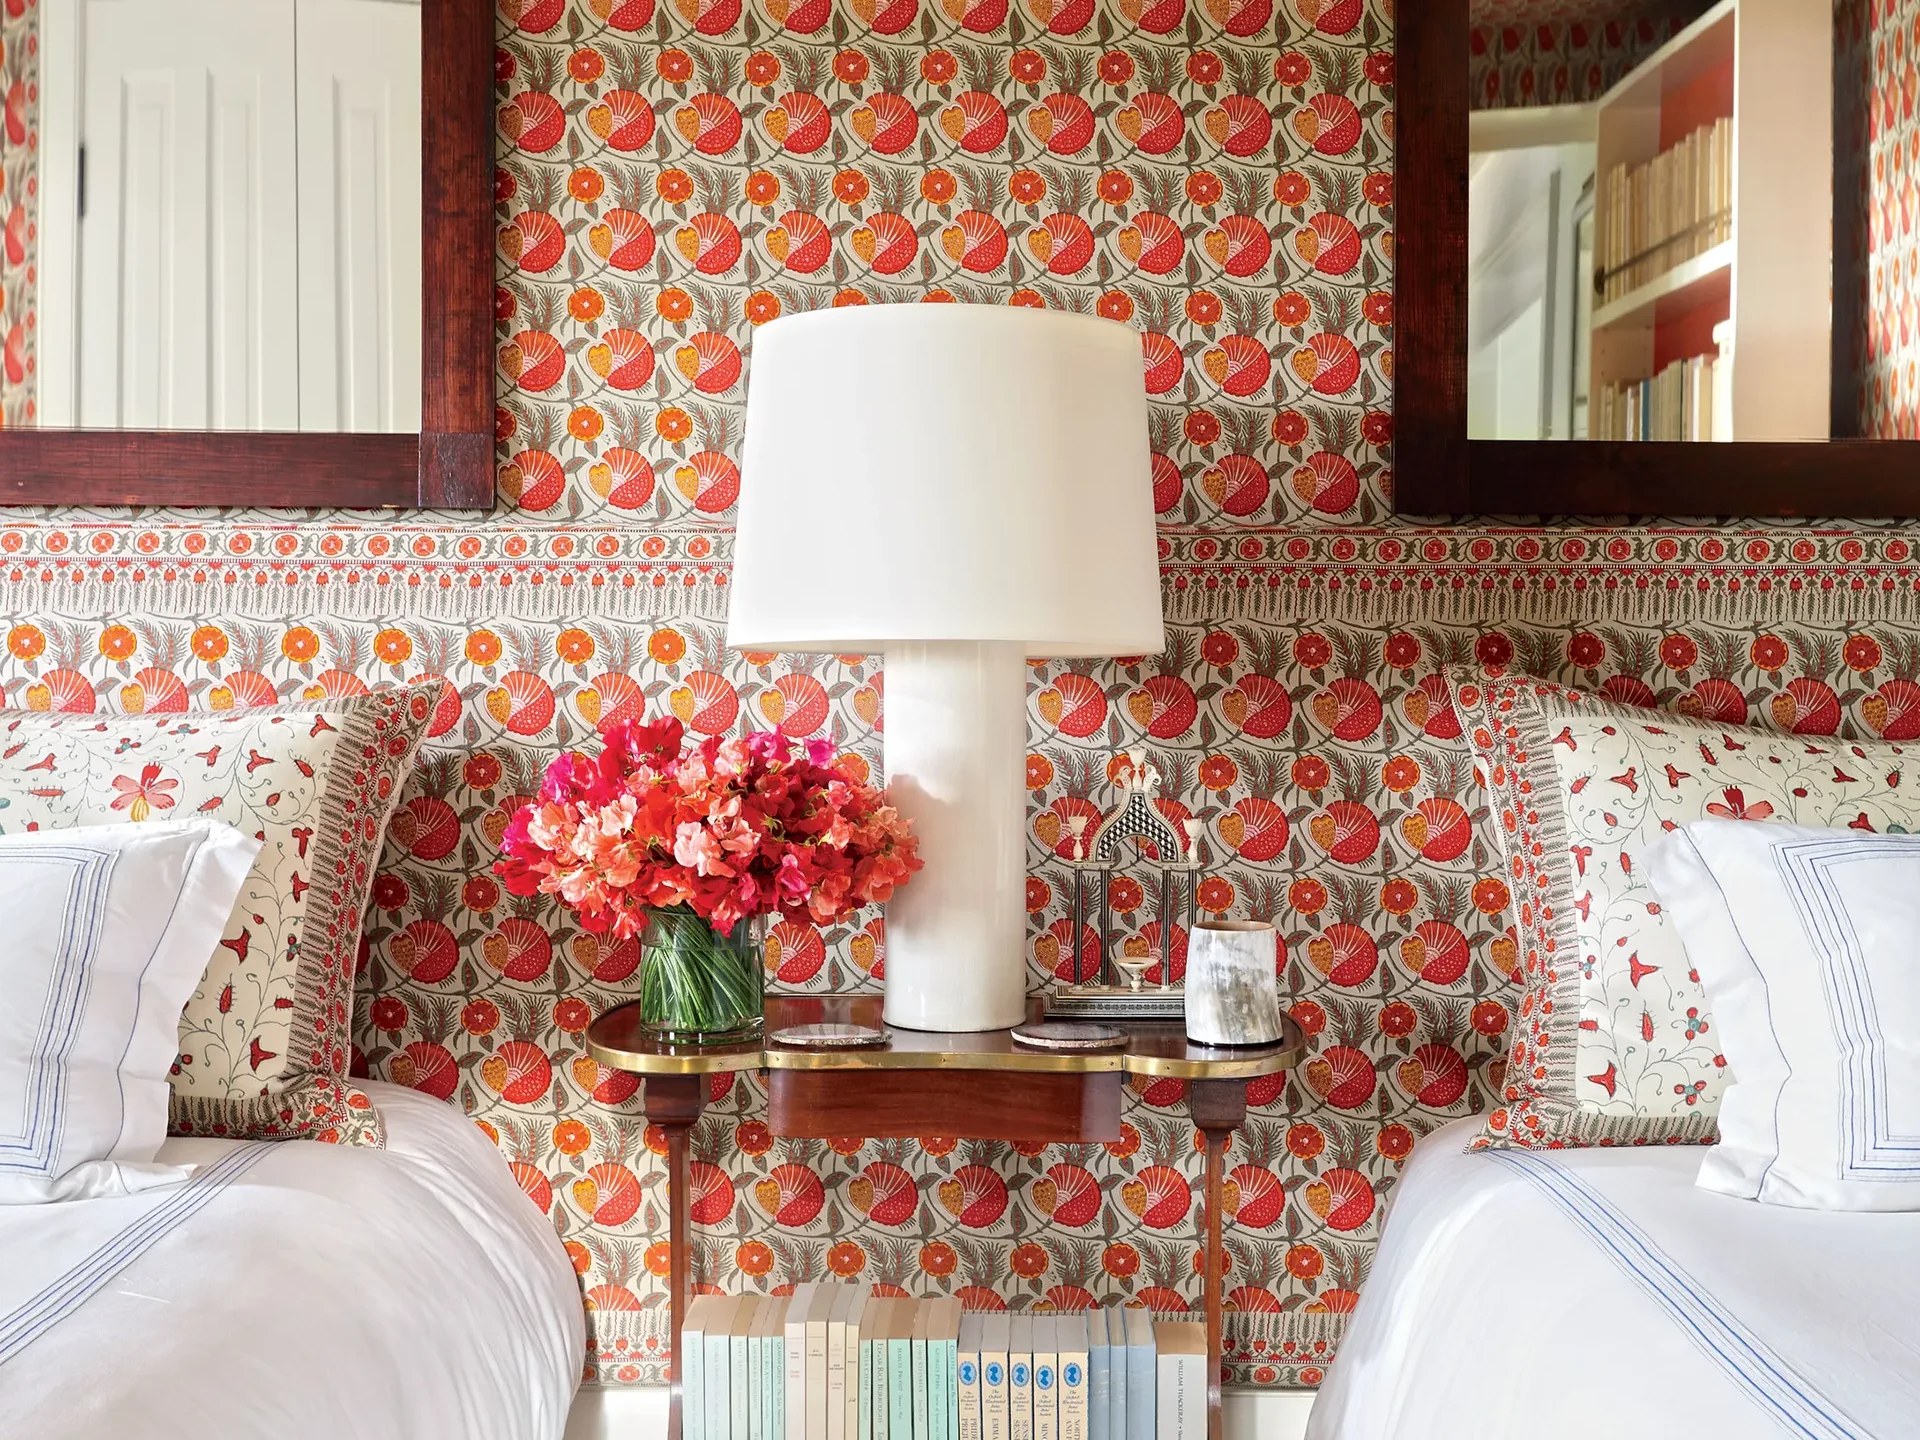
1117	1373
1142	1367
1099	1406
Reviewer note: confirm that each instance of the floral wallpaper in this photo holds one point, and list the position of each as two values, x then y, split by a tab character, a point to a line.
19	141
1218	174
1562	52
1890	39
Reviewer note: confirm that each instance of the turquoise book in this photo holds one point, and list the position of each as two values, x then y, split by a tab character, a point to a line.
900	1375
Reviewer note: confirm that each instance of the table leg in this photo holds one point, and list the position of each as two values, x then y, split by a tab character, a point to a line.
1217	1107
674	1102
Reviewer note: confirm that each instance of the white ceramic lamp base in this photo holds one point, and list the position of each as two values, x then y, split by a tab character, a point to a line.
956	741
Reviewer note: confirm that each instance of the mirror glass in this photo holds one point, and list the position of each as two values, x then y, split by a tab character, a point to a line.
225	214
1653	258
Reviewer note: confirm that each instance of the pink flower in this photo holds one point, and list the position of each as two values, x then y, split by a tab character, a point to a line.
732	828
140	798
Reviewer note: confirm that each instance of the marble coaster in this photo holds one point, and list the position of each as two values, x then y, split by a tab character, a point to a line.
830	1037
1059	1035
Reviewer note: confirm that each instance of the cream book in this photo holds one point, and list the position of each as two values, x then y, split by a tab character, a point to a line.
874	1333
1070	1332
818	1313
1046	1379
837	1361
1020	1378
856	1313
967	1379
794	1346
1181	1399
994	1336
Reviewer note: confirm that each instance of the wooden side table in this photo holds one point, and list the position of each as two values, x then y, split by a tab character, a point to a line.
924	1084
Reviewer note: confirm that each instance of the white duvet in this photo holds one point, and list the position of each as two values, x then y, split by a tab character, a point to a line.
1597	1294
295	1290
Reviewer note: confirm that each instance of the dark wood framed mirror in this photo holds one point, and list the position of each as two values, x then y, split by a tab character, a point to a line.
171	168
1660	296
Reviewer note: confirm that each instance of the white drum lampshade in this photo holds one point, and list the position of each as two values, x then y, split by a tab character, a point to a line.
958	487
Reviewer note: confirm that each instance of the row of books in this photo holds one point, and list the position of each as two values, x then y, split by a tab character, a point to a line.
1666	210
1682	402
833	1362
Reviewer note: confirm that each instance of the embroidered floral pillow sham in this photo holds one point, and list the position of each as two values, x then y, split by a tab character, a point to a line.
1614	1042
263	1041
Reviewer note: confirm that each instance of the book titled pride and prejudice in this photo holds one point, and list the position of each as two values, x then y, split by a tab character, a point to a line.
833	1362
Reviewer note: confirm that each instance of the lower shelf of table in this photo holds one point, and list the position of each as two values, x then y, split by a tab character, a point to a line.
918	1104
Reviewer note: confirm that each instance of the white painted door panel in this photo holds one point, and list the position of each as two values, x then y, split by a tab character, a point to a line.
188	247
360	277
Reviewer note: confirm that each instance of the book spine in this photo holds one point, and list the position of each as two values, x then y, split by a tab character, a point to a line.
1046	1399
864	1430
1020	1397
836	1380
877	1360
794	1350
995	1420
693	1383
900	1388
967	1374
738	1374
756	1391
719	1389
1073	1398
1182	1402
922	1421
939	1387
816	1377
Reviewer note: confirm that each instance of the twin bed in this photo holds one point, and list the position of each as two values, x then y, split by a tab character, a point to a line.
294	1291
1589	1294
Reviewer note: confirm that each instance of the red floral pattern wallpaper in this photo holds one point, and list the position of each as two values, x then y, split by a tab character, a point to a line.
1890	396
19	143
1566	54
675	172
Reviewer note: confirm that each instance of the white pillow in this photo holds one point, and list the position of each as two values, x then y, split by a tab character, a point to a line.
108	930
1807	942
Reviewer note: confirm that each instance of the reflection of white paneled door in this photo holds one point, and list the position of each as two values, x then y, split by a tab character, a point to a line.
246	254
359	87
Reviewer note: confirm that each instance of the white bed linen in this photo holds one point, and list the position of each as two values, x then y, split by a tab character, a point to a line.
293	1290
1593	1294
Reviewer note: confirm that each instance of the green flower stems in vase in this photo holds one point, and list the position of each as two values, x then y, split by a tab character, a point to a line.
699	984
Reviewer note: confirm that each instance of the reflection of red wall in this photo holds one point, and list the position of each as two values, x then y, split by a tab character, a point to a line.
19	77
1702	101
1886	247
1688	335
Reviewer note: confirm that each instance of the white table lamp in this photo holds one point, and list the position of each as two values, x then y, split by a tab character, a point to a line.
958	487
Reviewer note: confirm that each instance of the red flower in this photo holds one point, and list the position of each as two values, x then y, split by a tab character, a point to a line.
1219	647
1769	652
1203	67
1493	649
1402	650
1862	653
1293	68
1678	652
1586	650
1312	650
1289	427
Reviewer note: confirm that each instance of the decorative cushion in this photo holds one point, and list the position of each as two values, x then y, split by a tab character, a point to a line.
1614	1041
1808	944
108	932
263	1040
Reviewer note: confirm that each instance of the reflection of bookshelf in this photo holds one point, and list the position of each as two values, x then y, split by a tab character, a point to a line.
1713	160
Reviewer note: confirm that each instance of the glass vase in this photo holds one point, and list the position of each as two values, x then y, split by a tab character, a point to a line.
697	984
